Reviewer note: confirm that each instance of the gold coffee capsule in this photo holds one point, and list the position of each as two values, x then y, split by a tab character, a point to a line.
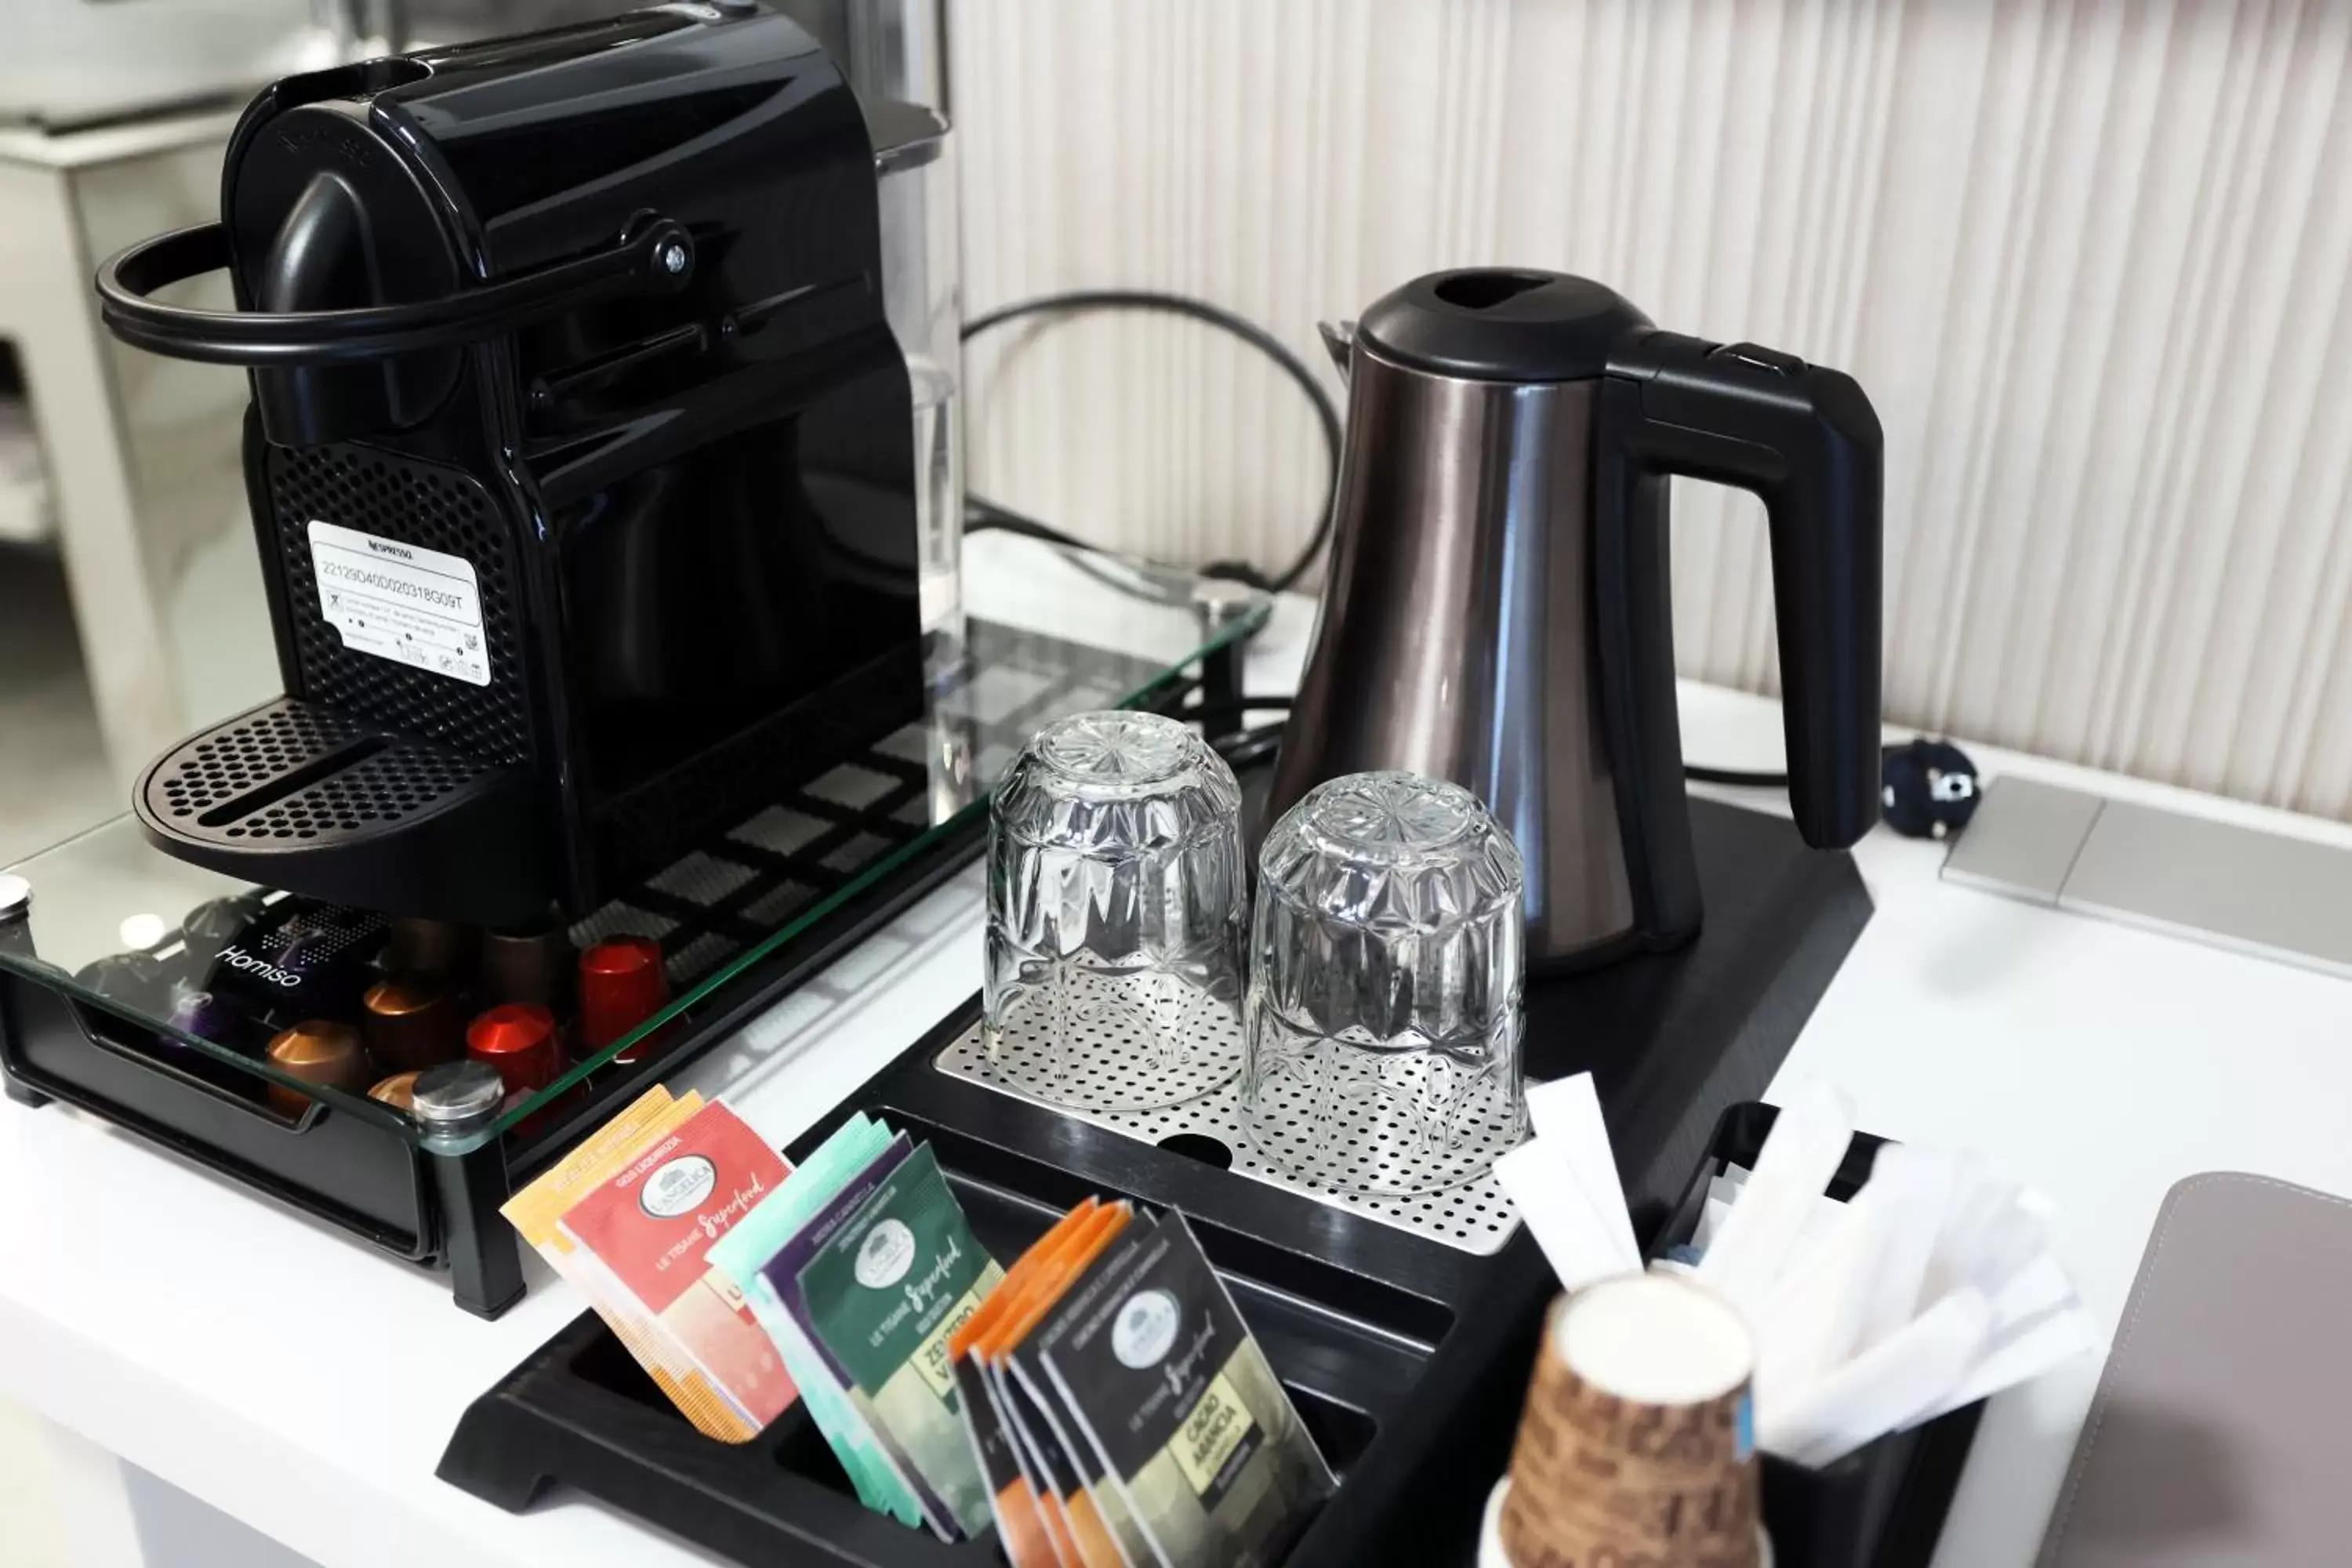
320	1051
399	1091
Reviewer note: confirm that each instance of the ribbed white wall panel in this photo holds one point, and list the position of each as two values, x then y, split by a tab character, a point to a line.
2089	258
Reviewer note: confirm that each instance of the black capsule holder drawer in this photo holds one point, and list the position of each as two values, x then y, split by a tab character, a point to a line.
364	1177
872	856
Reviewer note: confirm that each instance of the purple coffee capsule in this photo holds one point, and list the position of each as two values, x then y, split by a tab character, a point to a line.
137	981
204	1014
209	927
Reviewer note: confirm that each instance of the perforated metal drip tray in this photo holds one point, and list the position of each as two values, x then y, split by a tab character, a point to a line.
295	793
1474	1216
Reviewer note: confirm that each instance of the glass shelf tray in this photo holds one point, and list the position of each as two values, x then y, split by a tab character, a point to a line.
1052	631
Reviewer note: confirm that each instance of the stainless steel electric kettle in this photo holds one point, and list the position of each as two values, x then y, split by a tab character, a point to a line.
1497	609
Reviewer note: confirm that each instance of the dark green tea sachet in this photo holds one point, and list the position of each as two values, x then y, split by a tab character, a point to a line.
1153	1366
884	1293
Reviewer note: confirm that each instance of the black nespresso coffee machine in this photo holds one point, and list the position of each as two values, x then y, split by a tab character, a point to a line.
579	457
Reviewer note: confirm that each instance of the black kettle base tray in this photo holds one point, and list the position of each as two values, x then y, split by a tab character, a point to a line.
1408	1358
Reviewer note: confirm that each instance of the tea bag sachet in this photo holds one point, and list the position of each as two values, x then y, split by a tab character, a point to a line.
848	1164
1014	1501
882	1295
1152	1364
1103	1534
536	1213
649	1230
783	1273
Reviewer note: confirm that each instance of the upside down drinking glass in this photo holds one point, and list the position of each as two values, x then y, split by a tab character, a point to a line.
1381	1051
1118	910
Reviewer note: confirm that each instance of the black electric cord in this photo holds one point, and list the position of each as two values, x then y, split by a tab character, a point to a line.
1250	747
1696	772
1194	713
983	514
1242	749
1927	788
1736	777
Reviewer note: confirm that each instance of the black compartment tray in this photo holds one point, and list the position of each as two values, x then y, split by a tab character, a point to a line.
1357	1357
1407	1358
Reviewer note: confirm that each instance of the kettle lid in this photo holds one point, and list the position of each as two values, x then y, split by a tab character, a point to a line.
1499	323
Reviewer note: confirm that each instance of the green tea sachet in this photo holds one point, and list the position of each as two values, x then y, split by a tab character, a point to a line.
852	1161
883	1296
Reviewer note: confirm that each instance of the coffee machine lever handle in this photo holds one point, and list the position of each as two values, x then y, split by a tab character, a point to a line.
656	255
1805	440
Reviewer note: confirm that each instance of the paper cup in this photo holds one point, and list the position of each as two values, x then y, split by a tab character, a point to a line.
1637	1442
1490	1533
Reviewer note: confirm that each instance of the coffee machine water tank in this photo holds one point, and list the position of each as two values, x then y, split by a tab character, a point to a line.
894	53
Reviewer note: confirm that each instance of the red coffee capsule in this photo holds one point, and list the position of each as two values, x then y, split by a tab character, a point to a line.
622	983
517	1040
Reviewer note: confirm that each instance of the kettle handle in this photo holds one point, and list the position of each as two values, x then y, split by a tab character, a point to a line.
1805	440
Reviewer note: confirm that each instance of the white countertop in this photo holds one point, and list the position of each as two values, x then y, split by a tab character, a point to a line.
300	1381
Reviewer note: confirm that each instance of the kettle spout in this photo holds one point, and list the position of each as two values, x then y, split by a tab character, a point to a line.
1339	339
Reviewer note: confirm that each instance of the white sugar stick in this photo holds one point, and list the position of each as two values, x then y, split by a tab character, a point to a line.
2039	1287
1983	1223
2056	1337
1567	1115
1907	1195
2006	1248
1807	1322
1808	1140
1562	1219
1885	1387
1710	1220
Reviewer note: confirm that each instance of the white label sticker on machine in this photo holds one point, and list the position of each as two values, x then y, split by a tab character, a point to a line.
401	602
